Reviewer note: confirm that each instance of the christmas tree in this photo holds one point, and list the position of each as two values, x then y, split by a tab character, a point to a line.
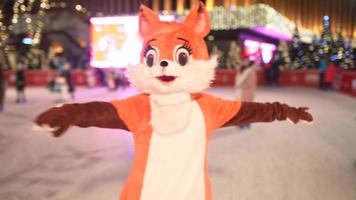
338	51
296	52
349	60
343	52
309	58
283	51
314	50
326	39
313	57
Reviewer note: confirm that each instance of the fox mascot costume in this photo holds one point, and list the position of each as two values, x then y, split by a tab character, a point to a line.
172	120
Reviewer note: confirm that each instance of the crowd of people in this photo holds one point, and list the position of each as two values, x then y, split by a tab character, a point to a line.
113	78
62	83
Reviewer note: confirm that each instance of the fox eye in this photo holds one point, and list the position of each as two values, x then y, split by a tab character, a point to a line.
182	56
151	57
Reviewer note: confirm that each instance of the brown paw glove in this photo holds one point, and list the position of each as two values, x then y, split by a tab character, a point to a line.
56	118
299	114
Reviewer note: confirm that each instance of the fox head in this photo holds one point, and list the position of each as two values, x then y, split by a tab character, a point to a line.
174	57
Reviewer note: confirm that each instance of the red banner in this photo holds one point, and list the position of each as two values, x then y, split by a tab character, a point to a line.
42	78
345	81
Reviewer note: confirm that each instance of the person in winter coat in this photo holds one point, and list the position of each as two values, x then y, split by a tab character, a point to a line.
20	82
329	75
323	65
246	83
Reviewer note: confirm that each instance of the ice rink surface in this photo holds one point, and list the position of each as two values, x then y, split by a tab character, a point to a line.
274	161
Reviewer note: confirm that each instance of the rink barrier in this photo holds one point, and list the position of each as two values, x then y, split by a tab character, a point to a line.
345	81
309	78
43	78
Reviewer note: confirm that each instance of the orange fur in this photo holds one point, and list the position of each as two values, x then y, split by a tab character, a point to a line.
165	37
175	51
195	27
162	75
135	112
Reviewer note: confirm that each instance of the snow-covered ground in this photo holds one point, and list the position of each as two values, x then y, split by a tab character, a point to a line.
274	161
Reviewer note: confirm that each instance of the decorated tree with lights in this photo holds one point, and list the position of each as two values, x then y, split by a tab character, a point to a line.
308	57
296	51
312	57
338	50
283	51
313	50
326	39
349	58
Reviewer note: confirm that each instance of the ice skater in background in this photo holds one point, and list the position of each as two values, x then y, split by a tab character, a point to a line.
329	75
90	78
64	83
20	82
111	79
67	75
246	83
273	71
323	65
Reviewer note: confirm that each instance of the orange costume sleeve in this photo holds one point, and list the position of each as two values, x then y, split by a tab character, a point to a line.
217	111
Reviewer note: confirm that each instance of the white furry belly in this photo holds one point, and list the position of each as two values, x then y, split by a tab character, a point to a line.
175	165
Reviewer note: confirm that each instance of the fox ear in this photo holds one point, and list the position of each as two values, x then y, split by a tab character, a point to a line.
147	20
198	19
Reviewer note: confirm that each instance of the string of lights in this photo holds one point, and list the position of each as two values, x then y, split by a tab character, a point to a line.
4	32
253	16
222	18
37	33
34	25
39	24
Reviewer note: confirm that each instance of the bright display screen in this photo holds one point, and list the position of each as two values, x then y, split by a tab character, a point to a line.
115	41
254	48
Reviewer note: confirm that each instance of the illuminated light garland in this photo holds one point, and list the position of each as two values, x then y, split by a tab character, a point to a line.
4	35
16	10
253	16
28	19
30	5
3	30
34	25
77	7
39	24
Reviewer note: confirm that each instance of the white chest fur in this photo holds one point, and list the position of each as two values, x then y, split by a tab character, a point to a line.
175	165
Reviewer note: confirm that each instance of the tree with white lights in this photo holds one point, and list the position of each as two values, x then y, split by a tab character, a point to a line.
296	51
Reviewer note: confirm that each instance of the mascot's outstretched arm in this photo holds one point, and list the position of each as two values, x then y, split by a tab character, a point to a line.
98	114
251	112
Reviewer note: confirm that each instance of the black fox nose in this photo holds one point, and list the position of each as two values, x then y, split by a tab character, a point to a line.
163	63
